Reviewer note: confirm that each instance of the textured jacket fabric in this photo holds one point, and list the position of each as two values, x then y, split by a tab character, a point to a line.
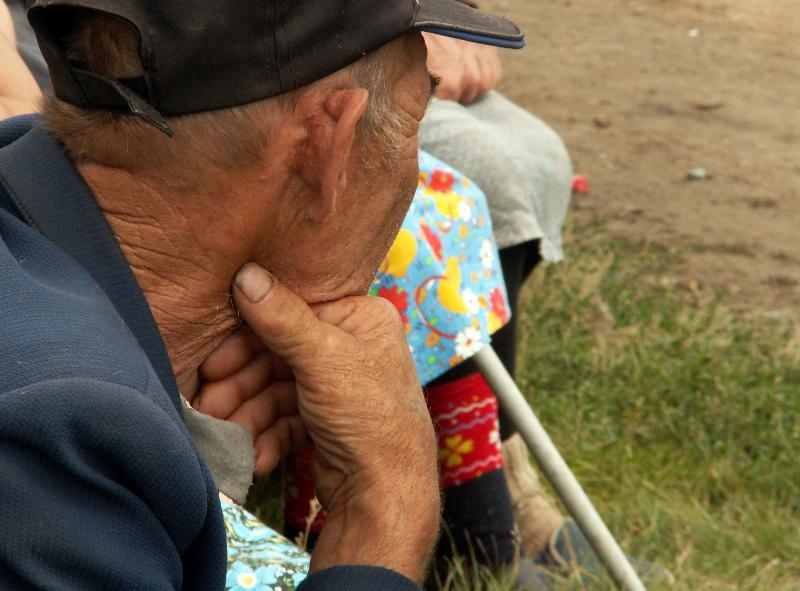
101	486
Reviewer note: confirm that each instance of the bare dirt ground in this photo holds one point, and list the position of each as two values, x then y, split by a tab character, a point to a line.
643	91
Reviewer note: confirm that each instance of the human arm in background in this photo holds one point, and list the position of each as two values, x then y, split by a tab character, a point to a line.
465	70
19	93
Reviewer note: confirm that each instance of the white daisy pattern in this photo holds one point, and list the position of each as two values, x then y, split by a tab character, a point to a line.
494	435
487	254
464	211
468	342
471	301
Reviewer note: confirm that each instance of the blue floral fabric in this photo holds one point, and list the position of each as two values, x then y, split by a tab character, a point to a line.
259	558
443	271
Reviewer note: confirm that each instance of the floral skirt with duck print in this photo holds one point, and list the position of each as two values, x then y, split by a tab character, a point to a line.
443	275
443	271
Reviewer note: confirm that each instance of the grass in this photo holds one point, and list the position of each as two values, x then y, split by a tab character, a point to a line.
681	419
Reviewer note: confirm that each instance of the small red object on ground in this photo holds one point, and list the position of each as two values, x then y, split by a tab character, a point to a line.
580	184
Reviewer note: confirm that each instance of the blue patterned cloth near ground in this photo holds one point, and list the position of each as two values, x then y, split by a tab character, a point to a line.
259	558
443	275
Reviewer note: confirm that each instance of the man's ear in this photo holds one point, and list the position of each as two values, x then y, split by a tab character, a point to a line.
332	138
345	109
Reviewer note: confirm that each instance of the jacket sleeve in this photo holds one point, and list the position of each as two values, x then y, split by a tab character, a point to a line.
357	578
100	489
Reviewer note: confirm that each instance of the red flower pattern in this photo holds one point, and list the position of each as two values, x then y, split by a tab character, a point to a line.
442	181
499	304
432	239
398	298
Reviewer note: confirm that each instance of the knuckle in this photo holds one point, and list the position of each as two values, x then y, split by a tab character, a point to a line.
448	88
328	343
386	314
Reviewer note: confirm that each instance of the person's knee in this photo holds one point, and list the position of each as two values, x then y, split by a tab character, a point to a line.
475	148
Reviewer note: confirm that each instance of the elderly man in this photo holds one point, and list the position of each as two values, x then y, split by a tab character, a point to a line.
189	146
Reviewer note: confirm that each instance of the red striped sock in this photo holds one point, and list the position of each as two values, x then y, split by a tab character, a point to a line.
465	415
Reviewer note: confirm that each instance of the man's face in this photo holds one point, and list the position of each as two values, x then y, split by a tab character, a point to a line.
349	246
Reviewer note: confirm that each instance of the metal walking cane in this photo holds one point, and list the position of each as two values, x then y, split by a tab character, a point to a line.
556	470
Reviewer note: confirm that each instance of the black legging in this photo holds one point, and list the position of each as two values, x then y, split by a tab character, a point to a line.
518	262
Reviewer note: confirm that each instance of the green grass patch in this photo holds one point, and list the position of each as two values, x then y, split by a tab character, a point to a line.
680	418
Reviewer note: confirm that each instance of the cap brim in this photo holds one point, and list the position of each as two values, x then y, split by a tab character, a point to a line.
452	18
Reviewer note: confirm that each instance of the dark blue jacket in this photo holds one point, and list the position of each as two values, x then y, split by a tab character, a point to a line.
101	486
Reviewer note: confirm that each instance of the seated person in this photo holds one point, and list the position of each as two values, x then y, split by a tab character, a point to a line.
524	168
443	276
525	171
530	176
445	249
117	287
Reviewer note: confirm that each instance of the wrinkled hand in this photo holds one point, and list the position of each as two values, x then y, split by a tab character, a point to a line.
247	385
362	404
466	70
19	93
6	24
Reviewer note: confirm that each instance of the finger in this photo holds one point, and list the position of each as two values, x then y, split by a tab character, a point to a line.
283	322
497	66
449	88
470	86
259	413
487	79
491	67
451	78
7	26
338	311
220	399
231	356
356	315
286	435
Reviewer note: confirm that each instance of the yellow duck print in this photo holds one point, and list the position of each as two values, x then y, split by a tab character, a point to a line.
449	291
400	255
447	204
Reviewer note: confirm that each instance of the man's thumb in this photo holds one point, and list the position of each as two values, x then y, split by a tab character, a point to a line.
278	317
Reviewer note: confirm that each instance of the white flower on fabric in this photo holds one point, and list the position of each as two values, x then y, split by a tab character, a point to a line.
464	211
247	580
494	436
487	254
471	301
468	342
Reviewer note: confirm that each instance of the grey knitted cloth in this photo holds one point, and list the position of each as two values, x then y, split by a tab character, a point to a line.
519	162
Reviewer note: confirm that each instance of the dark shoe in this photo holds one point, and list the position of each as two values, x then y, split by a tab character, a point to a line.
569	551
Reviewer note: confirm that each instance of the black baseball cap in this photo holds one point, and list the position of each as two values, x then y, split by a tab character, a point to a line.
202	55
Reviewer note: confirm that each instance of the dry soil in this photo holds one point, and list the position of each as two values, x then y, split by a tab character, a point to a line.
643	91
